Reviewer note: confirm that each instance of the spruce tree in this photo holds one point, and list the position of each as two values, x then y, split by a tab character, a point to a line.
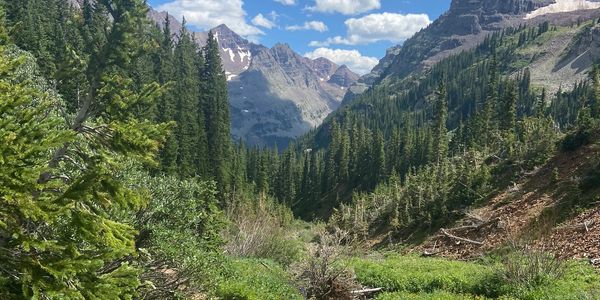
165	68
440	139
186	91
216	115
58	185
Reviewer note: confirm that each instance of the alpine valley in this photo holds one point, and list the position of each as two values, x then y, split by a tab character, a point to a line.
141	159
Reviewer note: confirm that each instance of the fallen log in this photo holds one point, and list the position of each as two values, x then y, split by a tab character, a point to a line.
446	233
367	291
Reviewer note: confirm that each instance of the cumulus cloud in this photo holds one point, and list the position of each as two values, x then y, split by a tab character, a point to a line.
346	7
312	25
287	2
563	6
261	21
351	58
207	14
378	27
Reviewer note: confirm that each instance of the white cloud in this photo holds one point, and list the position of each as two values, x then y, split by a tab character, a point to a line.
287	2
378	27
351	58
563	6
312	25
346	7
261	21
207	14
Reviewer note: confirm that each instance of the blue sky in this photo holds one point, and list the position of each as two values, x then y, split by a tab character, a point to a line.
351	32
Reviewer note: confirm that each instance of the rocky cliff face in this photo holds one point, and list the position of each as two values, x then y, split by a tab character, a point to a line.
275	94
462	27
283	95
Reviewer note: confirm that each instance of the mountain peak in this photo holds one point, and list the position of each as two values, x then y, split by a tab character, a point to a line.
224	29
282	46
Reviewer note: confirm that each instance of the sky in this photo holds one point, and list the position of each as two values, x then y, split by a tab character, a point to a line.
351	32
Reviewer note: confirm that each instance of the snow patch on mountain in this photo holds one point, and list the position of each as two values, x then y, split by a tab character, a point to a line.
563	6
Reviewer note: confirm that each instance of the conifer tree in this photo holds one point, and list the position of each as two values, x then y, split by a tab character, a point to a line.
217	115
186	91
56	231
165	67
440	140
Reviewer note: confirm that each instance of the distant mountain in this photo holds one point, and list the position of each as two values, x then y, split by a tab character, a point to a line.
466	24
276	94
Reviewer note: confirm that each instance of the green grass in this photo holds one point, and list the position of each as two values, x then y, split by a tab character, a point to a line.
411	277
414	274
440	295
251	279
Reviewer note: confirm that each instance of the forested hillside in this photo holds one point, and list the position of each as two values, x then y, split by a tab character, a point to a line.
119	177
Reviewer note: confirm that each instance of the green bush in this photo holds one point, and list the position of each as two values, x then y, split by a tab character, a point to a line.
579	281
575	140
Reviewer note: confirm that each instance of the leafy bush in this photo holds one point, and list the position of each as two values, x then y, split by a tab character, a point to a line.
592	179
180	229
575	140
582	134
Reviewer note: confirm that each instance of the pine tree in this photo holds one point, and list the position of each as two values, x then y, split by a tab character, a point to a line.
165	68
595	99
57	232
440	139
216	115
491	103
378	170
186	91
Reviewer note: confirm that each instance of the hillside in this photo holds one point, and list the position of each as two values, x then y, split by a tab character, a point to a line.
551	208
462	27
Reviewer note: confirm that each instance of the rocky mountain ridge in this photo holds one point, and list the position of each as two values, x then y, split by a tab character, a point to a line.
466	24
275	94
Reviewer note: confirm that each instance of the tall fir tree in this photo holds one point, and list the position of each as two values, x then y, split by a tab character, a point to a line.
186	92
440	132
58	235
217	117
165	69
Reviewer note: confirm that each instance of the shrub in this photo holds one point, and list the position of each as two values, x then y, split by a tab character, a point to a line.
575	140
262	229
530	268
579	280
321	275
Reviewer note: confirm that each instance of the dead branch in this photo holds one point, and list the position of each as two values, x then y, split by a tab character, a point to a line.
367	291
446	233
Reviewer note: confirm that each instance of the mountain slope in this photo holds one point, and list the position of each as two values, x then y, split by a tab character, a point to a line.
466	24
275	94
